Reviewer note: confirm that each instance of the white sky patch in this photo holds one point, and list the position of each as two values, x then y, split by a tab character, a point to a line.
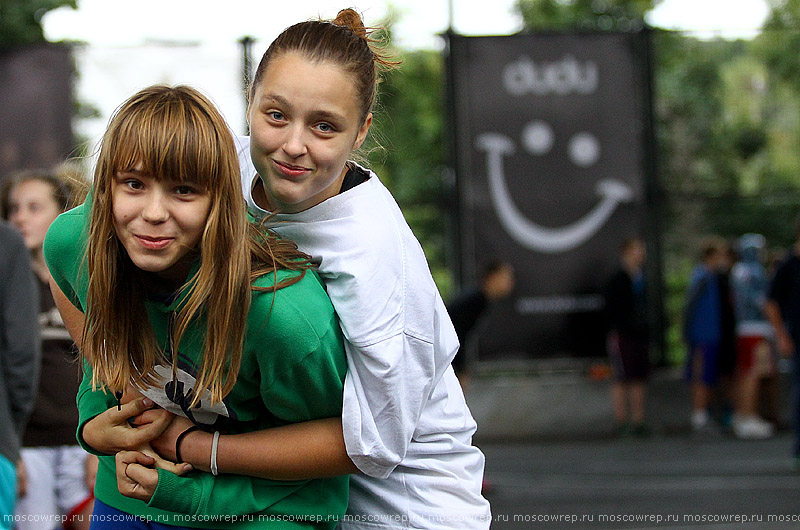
127	22
711	18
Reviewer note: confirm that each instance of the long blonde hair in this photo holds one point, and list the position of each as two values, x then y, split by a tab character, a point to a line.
175	133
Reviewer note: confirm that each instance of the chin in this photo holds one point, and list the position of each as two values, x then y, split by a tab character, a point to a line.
149	266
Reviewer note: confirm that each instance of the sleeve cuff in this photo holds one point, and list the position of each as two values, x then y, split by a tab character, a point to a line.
90	404
86	447
179	494
369	467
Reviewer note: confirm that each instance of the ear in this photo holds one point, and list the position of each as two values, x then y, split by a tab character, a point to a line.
362	132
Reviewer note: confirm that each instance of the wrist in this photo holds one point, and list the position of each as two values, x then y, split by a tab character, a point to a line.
178	457
196	449
91	435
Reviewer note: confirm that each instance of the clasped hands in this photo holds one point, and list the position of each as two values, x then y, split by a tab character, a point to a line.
142	435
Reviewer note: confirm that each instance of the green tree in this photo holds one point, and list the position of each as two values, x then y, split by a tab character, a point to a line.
21	20
779	43
406	148
410	151
604	15
778	46
702	145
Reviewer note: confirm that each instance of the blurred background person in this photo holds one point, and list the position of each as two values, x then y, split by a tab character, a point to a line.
19	359
496	283
52	483
702	329
783	311
627	338
753	336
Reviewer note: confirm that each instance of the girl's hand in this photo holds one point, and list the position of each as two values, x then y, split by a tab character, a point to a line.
110	432
164	444
137	476
162	463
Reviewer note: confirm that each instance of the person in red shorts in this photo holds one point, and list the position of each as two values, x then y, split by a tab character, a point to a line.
753	337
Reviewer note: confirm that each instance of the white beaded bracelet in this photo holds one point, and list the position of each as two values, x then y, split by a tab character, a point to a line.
214	443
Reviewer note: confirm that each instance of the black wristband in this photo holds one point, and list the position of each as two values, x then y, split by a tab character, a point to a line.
178	441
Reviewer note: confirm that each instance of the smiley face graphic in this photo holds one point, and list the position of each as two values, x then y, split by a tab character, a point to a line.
538	139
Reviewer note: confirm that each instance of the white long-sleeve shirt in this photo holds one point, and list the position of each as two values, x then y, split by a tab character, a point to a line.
406	424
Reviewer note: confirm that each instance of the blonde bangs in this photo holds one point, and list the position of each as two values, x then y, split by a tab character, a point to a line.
176	140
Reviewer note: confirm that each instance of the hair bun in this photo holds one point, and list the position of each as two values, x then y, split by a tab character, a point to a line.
349	18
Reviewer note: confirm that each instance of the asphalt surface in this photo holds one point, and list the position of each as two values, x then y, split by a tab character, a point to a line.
677	481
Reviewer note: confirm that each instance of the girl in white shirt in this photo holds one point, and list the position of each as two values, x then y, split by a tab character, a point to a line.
405	424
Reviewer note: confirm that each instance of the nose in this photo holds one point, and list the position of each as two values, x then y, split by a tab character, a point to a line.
295	144
155	209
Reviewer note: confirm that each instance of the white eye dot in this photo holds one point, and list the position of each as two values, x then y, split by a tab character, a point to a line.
584	149
538	137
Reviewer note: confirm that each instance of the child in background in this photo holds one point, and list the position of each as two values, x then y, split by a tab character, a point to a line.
52	476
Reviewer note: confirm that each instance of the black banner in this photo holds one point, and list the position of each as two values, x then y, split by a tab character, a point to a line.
551	136
36	107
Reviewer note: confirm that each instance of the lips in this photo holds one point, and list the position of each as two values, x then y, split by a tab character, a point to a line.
290	170
154	243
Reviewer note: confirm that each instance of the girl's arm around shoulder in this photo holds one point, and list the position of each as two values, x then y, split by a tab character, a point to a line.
298	451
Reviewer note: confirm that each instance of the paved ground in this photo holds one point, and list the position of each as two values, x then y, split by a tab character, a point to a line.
663	481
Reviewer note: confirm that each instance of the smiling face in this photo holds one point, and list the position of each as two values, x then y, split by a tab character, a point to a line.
304	123
32	207
160	222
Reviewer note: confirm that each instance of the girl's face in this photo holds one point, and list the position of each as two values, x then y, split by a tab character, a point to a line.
32	208
304	123
159	222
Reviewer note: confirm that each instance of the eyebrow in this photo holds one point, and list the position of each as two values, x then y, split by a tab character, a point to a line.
130	171
320	114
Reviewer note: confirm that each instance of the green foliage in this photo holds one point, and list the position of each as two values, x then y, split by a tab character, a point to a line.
677	271
21	20
778	47
408	151
779	44
603	15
